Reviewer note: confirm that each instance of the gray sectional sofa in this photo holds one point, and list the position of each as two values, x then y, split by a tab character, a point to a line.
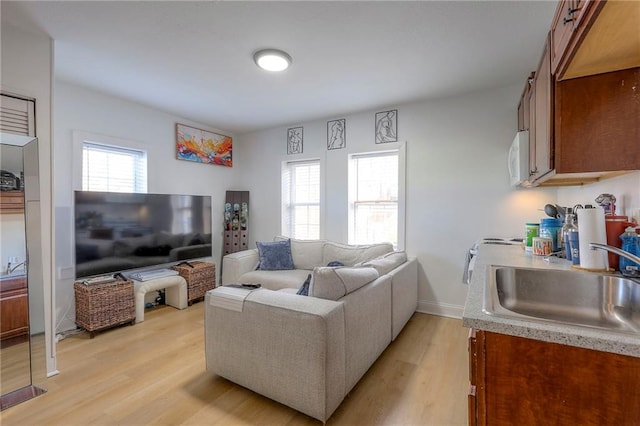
308	352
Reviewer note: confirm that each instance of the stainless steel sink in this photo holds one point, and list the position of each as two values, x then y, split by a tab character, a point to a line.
607	302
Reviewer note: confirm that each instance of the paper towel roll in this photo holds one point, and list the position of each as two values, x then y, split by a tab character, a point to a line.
592	228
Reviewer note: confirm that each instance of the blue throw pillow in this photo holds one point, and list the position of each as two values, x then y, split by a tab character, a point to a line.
304	289
275	256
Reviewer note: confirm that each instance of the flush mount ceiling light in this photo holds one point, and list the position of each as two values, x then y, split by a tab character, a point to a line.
272	59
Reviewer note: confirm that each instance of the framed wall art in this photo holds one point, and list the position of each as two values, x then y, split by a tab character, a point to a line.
294	140
387	126
203	146
336	134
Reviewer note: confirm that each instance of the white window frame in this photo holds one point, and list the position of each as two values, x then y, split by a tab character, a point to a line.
353	184
91	182
286	228
80	137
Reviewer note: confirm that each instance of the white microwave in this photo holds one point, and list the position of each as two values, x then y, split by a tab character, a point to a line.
519	159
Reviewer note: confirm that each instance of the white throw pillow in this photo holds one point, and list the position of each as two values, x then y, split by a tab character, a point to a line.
334	283
349	255
307	254
387	262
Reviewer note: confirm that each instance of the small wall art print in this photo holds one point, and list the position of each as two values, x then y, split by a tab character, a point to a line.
387	126
336	134
294	140
203	146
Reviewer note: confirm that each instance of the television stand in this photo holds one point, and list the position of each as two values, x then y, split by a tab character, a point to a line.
175	293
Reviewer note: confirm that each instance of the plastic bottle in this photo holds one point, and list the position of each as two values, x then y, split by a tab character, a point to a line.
630	244
569	226
552	228
533	229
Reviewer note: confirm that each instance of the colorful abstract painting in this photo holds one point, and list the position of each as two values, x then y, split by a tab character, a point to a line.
202	146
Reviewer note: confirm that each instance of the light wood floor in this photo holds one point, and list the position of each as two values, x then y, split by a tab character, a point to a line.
154	373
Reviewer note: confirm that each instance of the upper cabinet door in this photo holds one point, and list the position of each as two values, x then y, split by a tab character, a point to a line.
561	30
541	114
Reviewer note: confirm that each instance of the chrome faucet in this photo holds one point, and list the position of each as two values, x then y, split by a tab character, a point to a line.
11	267
615	250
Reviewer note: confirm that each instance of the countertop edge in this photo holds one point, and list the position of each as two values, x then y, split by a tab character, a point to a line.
584	337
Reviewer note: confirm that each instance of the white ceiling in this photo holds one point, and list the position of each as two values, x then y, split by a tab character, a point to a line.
194	59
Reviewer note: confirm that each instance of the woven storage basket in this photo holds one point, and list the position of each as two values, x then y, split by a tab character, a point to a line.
104	305
200	277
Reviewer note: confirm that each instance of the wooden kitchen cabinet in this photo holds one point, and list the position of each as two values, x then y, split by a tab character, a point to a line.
584	118
604	39
597	123
11	202
523	105
570	25
541	118
521	381
14	308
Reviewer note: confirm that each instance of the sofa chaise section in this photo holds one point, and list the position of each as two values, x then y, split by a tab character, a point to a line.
286	347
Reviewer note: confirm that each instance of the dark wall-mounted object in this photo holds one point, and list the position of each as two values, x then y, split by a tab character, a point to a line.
236	222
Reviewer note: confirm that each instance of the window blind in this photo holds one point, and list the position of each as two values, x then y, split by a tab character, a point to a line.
113	169
301	199
375	201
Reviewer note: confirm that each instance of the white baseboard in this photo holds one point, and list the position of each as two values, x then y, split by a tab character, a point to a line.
441	309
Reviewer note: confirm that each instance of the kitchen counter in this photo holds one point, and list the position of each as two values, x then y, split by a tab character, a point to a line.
566	334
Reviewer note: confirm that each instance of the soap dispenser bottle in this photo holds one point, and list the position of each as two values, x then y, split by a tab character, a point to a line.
630	244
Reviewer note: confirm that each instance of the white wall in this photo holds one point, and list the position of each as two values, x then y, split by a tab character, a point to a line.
457	182
26	70
625	188
83	110
13	242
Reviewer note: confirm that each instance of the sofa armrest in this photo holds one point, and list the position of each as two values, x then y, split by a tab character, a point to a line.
404	294
286	347
238	263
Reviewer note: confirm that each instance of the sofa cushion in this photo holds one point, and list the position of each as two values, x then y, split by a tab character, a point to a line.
352	254
307	254
275	280
275	256
387	262
334	283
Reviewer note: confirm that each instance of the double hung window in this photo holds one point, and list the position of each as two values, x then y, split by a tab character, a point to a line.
373	195
301	199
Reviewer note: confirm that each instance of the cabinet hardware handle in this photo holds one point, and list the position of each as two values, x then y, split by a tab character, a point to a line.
565	21
572	11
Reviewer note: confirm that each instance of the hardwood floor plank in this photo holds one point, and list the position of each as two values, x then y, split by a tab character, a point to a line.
154	373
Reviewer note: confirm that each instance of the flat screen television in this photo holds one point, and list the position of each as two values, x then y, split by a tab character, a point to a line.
116	232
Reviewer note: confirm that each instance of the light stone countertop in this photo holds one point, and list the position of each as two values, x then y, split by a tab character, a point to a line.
572	335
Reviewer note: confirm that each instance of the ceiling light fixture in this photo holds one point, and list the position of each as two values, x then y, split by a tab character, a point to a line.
272	59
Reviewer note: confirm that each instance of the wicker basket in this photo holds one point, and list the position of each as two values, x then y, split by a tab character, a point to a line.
104	305
200	277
